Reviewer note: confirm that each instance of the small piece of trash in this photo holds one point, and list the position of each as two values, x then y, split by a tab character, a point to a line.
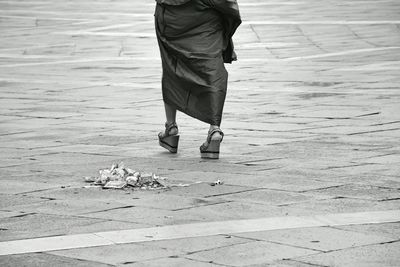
115	185
180	185
217	182
185	185
93	186
120	177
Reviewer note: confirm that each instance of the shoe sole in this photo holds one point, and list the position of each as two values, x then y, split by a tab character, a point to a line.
212	151
170	143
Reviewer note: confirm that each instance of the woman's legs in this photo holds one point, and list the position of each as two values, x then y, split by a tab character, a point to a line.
170	113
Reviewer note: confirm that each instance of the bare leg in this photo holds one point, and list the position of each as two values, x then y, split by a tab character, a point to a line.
170	113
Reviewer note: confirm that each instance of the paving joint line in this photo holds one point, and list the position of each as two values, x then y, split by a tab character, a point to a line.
307	263
233	193
245	241
206	205
207	262
116	208
375	131
79	259
323	188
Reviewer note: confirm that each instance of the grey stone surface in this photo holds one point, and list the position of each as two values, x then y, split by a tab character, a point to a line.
192	245
386	229
374	255
360	192
311	127
8	201
321	238
341	205
257	252
177	262
42	259
272	197
117	254
68	207
216	212
37	225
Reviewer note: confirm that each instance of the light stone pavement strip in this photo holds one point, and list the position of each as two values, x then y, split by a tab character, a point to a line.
312	123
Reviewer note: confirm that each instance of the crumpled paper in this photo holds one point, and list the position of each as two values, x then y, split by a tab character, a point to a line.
119	177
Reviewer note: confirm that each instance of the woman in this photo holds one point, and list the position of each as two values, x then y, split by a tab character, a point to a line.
195	40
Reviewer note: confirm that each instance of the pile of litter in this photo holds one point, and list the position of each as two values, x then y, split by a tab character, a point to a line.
119	177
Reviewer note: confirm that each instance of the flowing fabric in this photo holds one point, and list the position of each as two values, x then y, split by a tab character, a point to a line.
194	37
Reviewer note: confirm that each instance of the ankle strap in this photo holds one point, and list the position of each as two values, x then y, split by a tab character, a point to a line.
169	127
213	131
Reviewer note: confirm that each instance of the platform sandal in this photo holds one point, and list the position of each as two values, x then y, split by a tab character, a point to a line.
211	150
168	141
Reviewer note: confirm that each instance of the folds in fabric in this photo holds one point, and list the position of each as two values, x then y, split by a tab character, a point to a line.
172	2
194	37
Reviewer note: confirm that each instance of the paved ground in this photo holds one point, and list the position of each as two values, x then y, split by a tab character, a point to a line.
312	123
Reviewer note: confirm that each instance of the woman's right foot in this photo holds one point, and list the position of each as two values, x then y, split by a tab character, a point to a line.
169	139
210	148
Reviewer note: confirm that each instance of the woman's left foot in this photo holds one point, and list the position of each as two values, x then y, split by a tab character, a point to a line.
210	148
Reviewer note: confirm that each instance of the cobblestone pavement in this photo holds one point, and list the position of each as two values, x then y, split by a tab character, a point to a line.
312	123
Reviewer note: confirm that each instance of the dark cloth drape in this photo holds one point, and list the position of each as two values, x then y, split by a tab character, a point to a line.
195	39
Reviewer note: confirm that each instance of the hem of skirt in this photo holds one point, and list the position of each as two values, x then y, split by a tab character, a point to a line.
195	116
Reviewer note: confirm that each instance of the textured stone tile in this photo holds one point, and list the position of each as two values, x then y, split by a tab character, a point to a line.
283	263
67	207
8	201
116	254
250	253
206	190
271	197
374	255
341	205
321	238
172	261
159	200
41	259
237	210
37	225
359	191
271	180
217	212
17	187
149	216
191	245
386	229
90	194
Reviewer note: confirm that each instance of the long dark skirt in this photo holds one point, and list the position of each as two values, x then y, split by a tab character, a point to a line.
192	37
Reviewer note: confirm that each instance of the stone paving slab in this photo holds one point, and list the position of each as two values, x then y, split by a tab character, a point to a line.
33	225
257	252
340	205
390	229
374	255
172	261
117	254
41	259
192	245
320	239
